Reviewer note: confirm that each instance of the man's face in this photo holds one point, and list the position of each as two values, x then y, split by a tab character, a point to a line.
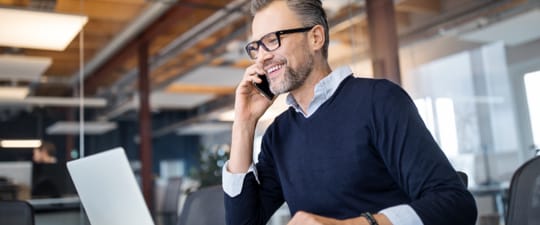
288	66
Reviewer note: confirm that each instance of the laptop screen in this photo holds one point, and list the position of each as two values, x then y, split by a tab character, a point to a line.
108	189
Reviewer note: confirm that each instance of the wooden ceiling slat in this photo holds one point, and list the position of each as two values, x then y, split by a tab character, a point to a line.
105	27
419	6
65	70
106	10
199	89
17	3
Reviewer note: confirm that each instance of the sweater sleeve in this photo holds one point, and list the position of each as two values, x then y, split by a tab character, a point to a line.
415	161
257	201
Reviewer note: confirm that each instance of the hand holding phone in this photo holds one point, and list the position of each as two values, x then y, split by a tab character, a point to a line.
264	87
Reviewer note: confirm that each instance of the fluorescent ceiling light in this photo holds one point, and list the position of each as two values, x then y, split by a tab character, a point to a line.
13	92
29	143
204	128
90	128
56	101
39	30
23	68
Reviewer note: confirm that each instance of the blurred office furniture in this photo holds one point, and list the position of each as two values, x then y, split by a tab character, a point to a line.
71	203
15	180
169	209
51	181
463	177
16	213
524	194
498	192
204	207
8	190
58	211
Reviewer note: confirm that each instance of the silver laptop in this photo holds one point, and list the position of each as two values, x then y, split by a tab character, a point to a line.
108	189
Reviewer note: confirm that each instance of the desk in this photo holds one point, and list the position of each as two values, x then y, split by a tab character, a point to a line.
55	204
498	191
49	211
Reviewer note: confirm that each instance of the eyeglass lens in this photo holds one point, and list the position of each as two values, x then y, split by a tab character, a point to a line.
269	42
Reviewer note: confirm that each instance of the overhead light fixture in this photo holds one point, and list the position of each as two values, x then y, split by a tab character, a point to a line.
13	92
38	30
23	68
204	128
90	127
56	101
26	143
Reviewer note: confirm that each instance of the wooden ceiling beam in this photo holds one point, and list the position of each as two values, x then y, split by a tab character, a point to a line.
174	16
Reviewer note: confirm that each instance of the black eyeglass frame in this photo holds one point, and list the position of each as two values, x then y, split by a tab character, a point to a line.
249	47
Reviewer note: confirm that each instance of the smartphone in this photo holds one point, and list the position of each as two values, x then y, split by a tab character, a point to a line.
264	87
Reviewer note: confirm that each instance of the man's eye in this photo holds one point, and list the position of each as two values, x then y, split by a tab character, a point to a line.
252	47
271	40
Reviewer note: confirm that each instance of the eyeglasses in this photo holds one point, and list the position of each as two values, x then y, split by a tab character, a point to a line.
271	41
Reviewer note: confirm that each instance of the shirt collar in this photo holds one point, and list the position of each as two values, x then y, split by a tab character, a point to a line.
323	91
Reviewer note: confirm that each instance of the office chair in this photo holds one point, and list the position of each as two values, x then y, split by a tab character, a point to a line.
16	213
169	209
204	207
524	194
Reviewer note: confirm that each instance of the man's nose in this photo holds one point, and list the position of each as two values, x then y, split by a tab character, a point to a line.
263	55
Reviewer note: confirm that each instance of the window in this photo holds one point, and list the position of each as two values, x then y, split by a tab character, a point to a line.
532	82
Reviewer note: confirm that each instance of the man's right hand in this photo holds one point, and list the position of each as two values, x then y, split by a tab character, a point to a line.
249	106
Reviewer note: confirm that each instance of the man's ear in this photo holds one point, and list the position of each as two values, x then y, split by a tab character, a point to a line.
317	38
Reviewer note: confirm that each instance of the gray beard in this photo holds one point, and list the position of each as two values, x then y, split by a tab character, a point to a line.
293	79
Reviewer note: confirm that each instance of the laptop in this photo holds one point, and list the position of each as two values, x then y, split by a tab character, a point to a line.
108	189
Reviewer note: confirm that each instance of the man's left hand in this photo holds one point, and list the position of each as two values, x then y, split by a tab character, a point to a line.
305	218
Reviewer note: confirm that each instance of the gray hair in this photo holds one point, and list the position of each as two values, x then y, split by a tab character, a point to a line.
310	12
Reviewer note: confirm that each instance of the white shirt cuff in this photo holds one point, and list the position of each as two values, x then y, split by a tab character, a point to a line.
402	215
233	182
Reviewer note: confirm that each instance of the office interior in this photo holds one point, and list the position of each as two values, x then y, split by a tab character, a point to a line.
158	78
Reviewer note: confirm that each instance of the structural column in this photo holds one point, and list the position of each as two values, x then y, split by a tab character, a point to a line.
145	125
70	144
383	39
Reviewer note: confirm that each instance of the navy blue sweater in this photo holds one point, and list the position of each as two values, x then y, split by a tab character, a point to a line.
363	150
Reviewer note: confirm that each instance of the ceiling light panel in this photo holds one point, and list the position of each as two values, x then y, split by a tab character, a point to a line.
23	143
22	68
38	30
213	75
161	100
90	128
13	92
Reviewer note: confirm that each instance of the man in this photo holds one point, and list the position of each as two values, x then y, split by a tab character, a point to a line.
46	153
348	150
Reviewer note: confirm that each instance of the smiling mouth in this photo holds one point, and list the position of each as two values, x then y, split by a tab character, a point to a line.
274	68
